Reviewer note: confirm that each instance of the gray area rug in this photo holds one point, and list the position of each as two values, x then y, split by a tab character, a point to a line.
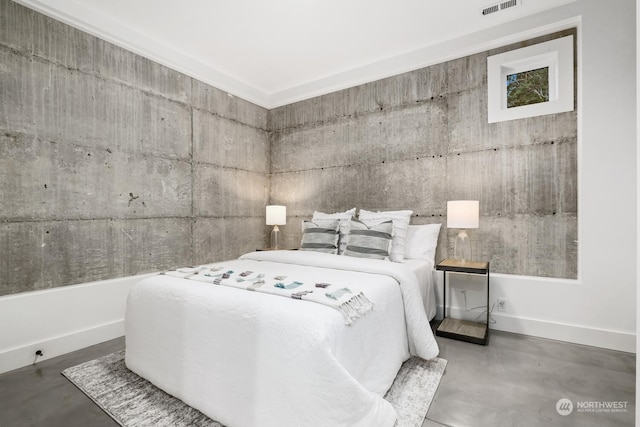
133	401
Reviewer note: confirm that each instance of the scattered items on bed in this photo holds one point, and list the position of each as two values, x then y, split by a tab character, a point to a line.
320	238
351	304
299	295
242	278
291	285
337	294
369	241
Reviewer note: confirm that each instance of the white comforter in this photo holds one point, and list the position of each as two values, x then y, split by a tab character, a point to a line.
252	359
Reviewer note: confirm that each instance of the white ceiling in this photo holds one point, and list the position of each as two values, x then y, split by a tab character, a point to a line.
273	52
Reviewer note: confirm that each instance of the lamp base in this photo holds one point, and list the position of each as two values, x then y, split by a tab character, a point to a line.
462	247
275	237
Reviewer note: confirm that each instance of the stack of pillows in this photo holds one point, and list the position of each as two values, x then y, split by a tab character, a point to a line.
378	235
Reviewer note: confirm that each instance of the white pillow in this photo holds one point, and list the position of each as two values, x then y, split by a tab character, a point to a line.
421	241
321	218
400	224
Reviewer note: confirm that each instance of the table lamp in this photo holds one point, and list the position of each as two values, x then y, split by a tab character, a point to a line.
463	214
276	215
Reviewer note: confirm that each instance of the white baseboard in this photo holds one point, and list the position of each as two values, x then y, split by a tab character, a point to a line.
16	357
61	320
613	340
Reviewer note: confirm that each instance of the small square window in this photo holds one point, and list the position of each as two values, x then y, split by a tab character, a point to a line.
532	81
528	87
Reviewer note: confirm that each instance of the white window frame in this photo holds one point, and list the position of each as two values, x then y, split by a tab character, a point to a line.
556	54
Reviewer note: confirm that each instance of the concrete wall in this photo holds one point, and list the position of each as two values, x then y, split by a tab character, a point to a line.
599	308
112	165
416	140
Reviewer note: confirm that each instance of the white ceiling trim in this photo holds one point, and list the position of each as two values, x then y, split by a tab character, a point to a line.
145	46
508	33
141	44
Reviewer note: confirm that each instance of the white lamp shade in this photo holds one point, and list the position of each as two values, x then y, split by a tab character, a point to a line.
276	215
463	214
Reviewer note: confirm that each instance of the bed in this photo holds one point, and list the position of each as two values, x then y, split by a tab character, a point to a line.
254	359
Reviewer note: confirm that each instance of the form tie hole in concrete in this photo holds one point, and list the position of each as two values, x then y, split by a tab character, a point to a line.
132	198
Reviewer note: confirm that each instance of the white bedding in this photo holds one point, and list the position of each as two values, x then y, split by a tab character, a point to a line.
424	273
252	359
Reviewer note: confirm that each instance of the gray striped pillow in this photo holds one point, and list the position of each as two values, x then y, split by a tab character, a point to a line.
320	238
369	242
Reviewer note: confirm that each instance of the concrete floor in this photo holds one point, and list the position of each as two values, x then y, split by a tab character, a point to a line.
514	381
517	380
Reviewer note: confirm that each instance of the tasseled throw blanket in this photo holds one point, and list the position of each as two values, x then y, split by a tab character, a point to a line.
350	301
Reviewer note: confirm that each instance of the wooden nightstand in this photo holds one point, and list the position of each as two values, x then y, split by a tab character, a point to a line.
464	330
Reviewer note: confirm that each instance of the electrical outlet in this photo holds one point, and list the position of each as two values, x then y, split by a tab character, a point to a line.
502	304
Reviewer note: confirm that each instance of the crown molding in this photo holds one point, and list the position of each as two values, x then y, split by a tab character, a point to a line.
141	44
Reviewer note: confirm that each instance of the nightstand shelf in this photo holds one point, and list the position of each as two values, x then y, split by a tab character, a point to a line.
464	330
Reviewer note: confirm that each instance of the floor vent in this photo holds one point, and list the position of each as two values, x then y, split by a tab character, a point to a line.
488	10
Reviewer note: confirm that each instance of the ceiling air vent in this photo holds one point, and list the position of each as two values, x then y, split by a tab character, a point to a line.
507	4
491	9
488	10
